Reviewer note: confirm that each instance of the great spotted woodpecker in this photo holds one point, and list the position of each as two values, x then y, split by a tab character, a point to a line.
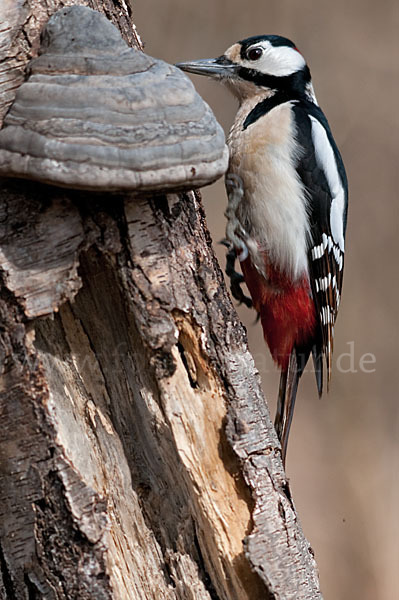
287	206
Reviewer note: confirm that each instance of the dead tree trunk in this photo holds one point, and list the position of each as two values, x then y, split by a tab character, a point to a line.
137	456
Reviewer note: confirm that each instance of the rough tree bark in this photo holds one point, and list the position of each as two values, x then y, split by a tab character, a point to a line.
137	455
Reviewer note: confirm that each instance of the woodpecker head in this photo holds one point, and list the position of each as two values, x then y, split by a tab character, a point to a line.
263	64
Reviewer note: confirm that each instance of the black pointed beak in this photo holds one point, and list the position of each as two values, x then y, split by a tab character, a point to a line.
211	67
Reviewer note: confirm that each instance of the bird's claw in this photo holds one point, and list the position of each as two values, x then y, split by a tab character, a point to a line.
236	279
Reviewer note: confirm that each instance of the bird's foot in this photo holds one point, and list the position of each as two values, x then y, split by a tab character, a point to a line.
236	279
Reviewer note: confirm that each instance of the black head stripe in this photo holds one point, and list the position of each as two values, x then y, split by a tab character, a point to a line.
279	40
295	82
275	40
291	87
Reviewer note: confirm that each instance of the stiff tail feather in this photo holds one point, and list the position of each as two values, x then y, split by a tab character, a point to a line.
317	354
286	401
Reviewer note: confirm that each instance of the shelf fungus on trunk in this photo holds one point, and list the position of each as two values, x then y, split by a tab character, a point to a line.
94	114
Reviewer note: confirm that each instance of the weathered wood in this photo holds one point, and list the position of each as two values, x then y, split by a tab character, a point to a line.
136	448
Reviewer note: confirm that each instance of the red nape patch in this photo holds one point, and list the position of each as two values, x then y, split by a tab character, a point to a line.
286	310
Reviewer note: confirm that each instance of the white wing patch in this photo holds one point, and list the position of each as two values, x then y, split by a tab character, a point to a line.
326	160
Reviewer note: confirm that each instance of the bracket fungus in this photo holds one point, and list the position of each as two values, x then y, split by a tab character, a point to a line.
94	114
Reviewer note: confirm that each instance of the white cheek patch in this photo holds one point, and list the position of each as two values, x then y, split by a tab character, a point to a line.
279	61
326	160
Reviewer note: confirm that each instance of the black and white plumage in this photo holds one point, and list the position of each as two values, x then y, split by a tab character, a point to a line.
322	171
287	210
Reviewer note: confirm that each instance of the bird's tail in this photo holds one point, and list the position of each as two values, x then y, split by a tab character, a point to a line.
288	388
286	401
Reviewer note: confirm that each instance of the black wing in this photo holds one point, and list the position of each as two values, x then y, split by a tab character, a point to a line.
325	253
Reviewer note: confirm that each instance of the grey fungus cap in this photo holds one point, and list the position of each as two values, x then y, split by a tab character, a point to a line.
95	114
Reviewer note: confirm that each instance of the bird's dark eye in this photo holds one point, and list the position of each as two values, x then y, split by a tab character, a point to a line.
254	53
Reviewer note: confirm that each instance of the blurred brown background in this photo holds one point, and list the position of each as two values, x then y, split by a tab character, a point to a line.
343	456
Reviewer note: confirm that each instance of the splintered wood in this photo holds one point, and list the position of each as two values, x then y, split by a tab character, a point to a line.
132	412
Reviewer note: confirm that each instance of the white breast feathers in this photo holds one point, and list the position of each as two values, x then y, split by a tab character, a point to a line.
273	209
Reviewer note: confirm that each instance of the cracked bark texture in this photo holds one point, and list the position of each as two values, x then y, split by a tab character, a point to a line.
137	455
